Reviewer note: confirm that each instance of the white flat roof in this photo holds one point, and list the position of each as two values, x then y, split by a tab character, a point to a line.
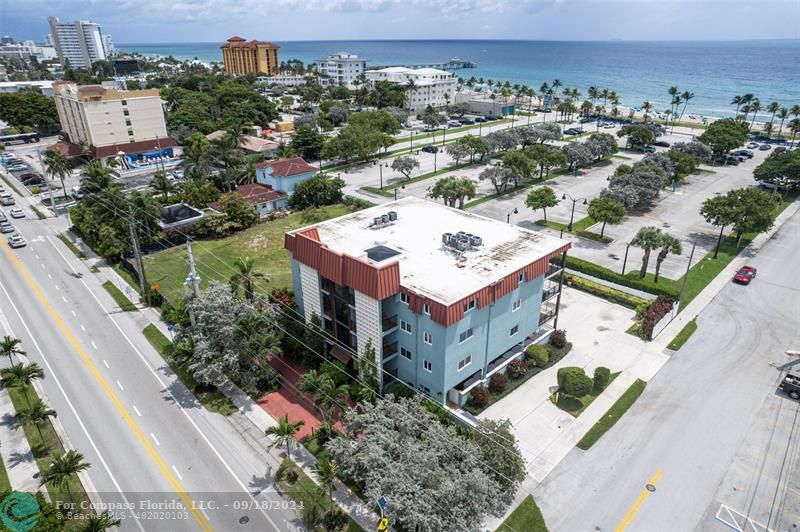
426	265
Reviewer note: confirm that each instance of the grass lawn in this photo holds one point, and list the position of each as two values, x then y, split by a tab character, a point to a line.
45	446
212	399
72	247
388	190
438	134
683	336
5	485
10	184
616	411
576	405
579	228
127	277
310	497
214	258
525	518
123	302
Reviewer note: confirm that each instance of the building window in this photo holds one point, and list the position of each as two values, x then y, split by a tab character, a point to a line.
516	305
127	123
427	338
464	336
427	365
130	132
464	362
521	278
514	330
405	326
426	309
404	298
405	353
124	102
126	112
469	305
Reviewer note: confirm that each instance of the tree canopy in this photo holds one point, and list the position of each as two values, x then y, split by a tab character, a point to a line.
780	168
724	135
28	111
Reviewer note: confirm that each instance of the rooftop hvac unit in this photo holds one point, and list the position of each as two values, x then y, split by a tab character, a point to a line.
462	244
446	238
385	218
392	216
461	234
475	241
377	221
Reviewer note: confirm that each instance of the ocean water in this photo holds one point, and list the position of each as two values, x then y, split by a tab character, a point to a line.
637	70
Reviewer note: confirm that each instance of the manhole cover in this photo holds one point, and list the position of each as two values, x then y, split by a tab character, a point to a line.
650	487
243	520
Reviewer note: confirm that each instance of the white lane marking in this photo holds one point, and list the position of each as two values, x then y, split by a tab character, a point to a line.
137	411
120	386
43	265
93	344
37	256
106	363
167	388
56	287
54	376
64	299
175	469
83	328
49	276
156	440
73	314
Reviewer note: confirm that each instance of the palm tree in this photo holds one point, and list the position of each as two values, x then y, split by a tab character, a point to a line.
594	94
329	397
669	244
686	96
409	89
755	107
773	108
673	94
100	523
10	346
95	178
36	413
648	238
309	383
604	94
161	184
326	471
57	166
21	376
284	432
62	469
556	85
783	114
197	158
737	101
794	127
245	276
647	106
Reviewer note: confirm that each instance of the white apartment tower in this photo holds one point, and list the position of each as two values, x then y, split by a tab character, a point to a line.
430	85
343	68
79	42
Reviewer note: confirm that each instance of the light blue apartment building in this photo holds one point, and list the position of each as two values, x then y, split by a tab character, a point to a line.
447	298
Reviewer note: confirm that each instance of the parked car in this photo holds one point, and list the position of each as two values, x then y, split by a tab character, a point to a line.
6	199
17	213
745	275
573	131
76	193
6	227
428	129
17	241
744	153
3	217
480	119
765	147
648	149
752	145
790	385
430	149
661	144
453	123
728	159
466	121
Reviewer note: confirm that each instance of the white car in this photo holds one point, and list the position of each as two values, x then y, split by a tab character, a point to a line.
17	241
6	227
17	213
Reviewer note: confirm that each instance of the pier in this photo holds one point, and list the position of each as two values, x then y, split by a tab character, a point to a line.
453	64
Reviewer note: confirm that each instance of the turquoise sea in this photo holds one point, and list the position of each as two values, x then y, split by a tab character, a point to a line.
714	70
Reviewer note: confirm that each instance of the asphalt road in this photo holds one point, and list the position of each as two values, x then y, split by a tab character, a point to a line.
685	431
144	434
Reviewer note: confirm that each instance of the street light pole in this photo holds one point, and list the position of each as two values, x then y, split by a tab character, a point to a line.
572	214
625	262
395	190
434	161
508	216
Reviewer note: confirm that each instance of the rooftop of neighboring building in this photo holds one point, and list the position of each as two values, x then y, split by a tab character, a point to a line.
287	167
248	143
239	42
427	266
88	93
254	193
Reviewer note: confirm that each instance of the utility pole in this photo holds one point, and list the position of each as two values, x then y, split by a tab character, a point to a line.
192	282
137	252
49	187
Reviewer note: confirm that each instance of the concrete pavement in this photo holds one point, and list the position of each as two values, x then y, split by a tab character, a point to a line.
15	451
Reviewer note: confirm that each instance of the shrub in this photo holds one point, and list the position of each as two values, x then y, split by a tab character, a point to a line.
657	310
498	383
335	520
641	309
291	476
594	270
538	353
601	377
479	396
399	390
335	370
574	381
517	369
558	338
606	292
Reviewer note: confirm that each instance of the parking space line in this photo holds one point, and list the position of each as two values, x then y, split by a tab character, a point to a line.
106	364
158	443
119	384
73	314
137	411
93	344
56	287
64	299
175	469
83	328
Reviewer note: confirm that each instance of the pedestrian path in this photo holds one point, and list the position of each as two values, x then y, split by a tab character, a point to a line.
23	472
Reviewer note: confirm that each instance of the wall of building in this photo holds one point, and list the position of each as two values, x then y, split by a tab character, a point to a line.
368	319
284	184
309	290
108	123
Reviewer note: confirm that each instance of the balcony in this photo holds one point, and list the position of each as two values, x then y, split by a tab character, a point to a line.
554	269
546	313
549	293
389	350
389	324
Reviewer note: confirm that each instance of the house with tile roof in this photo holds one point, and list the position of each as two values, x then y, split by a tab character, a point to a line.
284	174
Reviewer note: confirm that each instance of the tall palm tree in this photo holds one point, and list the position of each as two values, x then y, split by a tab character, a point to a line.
773	108
245	277
95	178
36	413
326	471
594	94
737	101
556	85
783	114
331	397
673	95
648	238
197	157
161	184
100	522
755	107
57	166
685	97
284	433
794	127
409	89
62	469
21	376
669	244
604	94
647	106
10	346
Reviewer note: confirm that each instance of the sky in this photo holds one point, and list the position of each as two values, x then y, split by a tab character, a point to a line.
160	21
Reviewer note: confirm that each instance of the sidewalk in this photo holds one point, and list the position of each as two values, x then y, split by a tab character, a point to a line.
23	472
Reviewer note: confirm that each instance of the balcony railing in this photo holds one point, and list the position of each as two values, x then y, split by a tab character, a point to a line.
546	313
388	323
549	293
390	349
553	269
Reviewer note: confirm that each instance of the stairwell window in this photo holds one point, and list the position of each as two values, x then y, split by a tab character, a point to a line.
427	338
405	326
521	278
404	298
514	330
464	336
427	365
464	362
516	305
426	309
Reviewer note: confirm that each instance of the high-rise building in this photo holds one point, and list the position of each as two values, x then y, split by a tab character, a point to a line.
108	45
342	68
80	42
430	84
250	57
111	121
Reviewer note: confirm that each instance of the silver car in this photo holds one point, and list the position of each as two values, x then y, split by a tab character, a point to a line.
6	227
17	241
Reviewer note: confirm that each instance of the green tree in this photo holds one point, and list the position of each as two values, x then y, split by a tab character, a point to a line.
780	168
29	109
320	190
326	471
36	413
754	210
542	198
21	376
719	211
284	433
314	342
9	347
573	381
669	244
196	155
607	210
637	135
161	184
498	176
63	469
245	277
648	238
724	135
308	143
57	166
520	166
239	212
500	453
405	164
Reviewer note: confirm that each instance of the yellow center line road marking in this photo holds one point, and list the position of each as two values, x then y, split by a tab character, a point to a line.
162	466
638	503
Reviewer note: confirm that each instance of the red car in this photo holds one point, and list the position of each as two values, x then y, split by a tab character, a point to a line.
745	275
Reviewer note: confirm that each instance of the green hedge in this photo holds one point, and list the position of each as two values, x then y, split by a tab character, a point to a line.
645	285
610	294
683	336
616	411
